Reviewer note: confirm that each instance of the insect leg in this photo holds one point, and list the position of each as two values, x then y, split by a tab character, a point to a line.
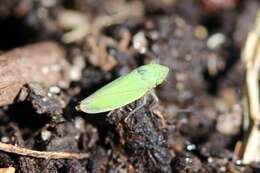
137	108
154	111
150	155
160	116
155	98
111	112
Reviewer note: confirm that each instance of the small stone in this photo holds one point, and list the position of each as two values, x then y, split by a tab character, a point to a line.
139	42
45	135
191	147
5	139
215	41
54	90
239	162
79	123
210	160
78	66
229	123
200	32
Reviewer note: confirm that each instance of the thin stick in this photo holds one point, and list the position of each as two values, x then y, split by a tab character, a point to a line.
251	59
7	170
41	154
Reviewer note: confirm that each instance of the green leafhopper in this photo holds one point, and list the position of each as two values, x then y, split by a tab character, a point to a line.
125	89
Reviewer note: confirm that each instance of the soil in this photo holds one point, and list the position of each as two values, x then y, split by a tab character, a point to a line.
195	126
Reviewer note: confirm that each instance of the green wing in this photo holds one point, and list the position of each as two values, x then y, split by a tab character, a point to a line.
116	94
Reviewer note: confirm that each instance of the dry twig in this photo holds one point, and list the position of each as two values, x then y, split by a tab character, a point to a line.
41	154
251	58
7	170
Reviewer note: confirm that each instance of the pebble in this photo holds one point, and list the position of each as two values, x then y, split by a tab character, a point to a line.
139	42
216	40
45	135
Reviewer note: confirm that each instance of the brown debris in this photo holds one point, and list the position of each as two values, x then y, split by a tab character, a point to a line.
98	56
41	62
123	11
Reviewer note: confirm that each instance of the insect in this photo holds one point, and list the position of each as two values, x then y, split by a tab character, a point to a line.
125	89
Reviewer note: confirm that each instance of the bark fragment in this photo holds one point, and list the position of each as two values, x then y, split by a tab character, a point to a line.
41	62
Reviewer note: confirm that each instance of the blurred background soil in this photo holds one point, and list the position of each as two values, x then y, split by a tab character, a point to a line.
96	41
